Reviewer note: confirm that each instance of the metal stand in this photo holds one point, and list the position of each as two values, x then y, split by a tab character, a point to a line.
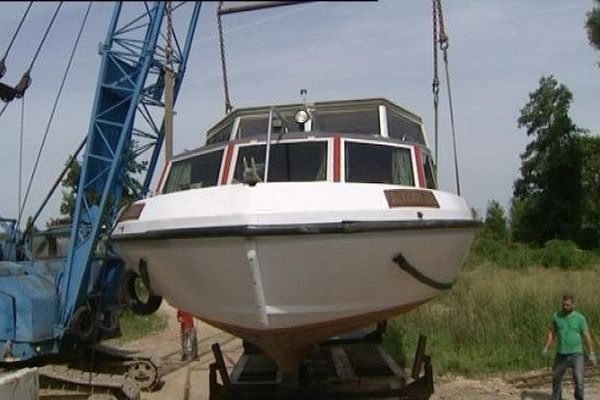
349	367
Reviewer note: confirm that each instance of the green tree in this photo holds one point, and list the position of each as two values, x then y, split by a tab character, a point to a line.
131	186
71	183
590	183
593	25
547	197
495	225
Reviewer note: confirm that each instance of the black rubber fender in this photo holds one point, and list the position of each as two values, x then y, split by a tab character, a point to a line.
132	298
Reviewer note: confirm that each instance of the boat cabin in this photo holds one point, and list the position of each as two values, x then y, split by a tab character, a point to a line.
367	141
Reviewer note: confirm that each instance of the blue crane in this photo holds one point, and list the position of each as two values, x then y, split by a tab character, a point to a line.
48	304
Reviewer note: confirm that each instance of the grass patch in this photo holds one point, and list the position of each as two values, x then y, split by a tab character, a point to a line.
495	319
137	326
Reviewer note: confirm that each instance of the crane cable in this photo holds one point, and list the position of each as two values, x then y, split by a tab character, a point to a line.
21	158
45	35
443	41
47	129
2	62
436	82
25	82
228	106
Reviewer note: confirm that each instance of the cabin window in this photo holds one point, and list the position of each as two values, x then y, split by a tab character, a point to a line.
373	163
252	126
195	172
259	125
222	135
288	162
364	122
402	128
429	171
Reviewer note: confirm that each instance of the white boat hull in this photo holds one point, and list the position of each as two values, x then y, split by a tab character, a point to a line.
287	265
300	288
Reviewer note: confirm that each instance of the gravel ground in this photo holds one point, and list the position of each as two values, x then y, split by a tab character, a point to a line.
192	377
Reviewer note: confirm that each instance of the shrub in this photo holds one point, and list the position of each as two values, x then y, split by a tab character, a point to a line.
563	254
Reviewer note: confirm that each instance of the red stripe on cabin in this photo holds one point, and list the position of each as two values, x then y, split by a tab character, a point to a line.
337	144
420	170
227	166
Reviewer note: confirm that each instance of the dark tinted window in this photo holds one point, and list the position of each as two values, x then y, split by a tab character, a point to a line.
361	122
402	128
222	135
429	171
373	163
289	162
195	172
252	126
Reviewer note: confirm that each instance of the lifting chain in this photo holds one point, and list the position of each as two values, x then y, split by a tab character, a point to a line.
436	79
169	72
440	38
168	46
228	106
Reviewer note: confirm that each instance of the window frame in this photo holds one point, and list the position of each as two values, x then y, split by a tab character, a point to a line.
167	172
426	156
377	143
255	142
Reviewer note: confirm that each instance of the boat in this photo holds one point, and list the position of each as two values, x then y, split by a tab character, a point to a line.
296	223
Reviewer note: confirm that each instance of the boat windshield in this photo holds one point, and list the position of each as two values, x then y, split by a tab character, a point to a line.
369	117
372	163
195	172
402	128
364	122
288	162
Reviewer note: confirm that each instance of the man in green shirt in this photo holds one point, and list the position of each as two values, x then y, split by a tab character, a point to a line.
568	327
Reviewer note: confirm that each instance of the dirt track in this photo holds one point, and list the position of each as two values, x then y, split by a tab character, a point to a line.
166	346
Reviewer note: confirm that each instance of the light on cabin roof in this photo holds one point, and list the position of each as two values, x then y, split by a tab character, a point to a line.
301	117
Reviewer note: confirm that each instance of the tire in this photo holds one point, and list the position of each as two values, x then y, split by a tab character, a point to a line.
110	321
139	306
82	324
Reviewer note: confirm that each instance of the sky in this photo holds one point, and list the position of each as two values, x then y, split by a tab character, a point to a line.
499	49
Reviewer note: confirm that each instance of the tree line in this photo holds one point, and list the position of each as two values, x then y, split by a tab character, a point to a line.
557	195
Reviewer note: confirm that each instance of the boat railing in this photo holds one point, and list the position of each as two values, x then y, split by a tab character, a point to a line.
284	121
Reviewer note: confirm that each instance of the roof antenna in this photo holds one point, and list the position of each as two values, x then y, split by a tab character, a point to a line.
303	93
